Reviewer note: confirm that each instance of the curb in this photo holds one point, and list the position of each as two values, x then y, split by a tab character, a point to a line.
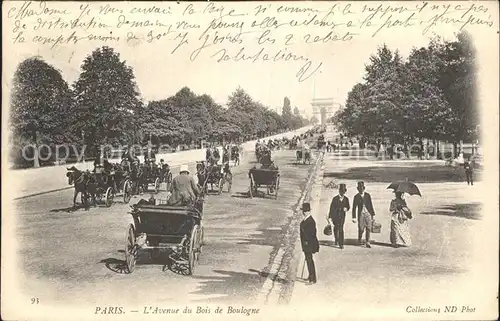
315	199
42	193
272	289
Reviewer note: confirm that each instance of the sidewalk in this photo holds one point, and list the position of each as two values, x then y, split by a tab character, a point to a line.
382	282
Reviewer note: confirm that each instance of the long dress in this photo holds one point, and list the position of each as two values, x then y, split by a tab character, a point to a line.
400	230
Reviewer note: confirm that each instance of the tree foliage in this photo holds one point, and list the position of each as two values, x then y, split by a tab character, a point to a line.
106	98
430	95
40	104
106	108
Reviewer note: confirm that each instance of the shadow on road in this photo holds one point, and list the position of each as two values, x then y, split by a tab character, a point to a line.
115	265
264	237
471	211
241	195
231	286
381	244
419	173
264	274
68	209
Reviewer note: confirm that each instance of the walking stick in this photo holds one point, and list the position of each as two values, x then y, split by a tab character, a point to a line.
303	267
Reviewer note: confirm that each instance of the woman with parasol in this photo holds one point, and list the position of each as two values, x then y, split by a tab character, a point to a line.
400	213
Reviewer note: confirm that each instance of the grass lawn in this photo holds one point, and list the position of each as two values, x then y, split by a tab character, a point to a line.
420	174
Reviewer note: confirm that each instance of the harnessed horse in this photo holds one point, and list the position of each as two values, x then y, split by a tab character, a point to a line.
84	184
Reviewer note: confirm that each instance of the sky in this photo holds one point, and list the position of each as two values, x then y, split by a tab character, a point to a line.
160	74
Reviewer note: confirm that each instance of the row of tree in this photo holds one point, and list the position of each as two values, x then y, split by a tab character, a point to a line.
431	95
104	106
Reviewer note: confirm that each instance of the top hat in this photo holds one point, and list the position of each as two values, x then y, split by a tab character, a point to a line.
343	187
306	207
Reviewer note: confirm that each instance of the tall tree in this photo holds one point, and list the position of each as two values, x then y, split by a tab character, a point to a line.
39	106
458	83
287	108
106	97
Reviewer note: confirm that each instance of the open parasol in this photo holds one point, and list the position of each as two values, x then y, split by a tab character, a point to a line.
405	187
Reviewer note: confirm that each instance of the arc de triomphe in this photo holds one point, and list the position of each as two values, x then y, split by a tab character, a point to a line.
324	108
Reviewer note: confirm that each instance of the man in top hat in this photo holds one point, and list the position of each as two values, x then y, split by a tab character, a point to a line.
362	208
184	190
338	209
468	166
309	241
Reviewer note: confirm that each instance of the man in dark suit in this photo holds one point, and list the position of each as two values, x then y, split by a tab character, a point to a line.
309	240
338	208
362	208
468	171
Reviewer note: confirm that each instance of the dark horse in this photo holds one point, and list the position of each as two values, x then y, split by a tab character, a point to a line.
84	183
235	154
202	174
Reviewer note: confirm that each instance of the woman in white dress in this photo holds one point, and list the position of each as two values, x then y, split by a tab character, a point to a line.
400	214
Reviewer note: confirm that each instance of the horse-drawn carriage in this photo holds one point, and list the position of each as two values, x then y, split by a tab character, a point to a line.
268	177
166	175
261	152
321	142
216	175
150	176
235	154
104	190
92	186
303	156
231	153
175	230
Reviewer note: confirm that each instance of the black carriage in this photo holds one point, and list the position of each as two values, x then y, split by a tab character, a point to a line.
303	156
270	178
175	230
210	175
150	176
321	142
261	151
104	187
166	176
121	182
235	155
133	184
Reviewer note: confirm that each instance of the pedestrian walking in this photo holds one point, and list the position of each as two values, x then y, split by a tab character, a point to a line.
468	171
362	209
336	216
400	214
309	241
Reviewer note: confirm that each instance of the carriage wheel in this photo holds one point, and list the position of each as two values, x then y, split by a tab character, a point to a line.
202	237
221	185
276	187
127	191
251	186
157	185
230	183
99	196
109	197
169	180
193	249
131	249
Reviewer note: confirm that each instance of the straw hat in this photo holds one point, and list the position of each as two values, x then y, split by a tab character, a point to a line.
184	168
